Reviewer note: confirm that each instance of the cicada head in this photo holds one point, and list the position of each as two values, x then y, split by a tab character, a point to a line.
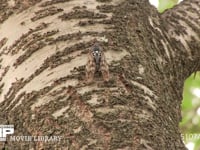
96	52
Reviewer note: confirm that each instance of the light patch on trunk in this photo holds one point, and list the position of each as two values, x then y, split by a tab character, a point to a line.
41	101
60	71
150	102
154	26
165	47
145	115
144	88
185	44
146	144
184	37
11	3
141	69
85	89
116	2
164	41
77	130
47	98
115	56
160	60
92	141
60	112
94	100
189	31
12	28
105	110
22	71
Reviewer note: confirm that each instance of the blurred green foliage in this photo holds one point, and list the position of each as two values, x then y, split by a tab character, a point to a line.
190	124
166	4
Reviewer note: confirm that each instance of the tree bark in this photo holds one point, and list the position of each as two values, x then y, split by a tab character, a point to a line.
43	51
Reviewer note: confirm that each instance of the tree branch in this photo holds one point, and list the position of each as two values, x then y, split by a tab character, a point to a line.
183	27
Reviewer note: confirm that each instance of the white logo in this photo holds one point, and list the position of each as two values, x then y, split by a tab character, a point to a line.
5	130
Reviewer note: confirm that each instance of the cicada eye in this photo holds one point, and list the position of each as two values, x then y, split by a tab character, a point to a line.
96	52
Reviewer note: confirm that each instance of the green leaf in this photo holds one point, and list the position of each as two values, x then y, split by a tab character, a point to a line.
187	103
186	119
197	145
166	4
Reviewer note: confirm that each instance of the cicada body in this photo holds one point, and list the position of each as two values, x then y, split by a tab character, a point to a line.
96	62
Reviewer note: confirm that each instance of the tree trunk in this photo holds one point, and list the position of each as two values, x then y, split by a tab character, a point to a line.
44	89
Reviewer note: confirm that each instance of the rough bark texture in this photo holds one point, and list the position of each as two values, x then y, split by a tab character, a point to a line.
43	52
